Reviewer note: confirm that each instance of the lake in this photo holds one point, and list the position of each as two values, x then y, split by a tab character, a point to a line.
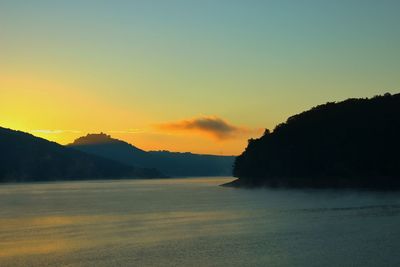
194	222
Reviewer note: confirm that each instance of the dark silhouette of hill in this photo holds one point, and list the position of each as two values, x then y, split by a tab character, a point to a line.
24	157
354	143
170	163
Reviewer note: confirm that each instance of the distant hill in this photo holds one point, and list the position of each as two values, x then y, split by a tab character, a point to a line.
169	163
24	157
354	143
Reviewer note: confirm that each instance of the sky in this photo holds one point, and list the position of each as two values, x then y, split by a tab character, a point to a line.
200	76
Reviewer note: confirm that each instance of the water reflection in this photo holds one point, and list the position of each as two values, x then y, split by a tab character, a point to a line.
193	222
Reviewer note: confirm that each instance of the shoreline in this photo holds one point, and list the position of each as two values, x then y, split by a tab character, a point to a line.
289	184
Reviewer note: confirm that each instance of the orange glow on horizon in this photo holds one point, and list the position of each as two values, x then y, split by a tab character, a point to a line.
62	112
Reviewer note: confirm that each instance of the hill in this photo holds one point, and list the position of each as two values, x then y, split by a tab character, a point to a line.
24	157
170	163
354	143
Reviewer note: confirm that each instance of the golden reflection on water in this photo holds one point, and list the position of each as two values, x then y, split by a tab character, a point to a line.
62	234
38	235
30	247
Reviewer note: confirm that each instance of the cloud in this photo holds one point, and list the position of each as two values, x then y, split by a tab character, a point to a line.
211	126
57	131
129	131
47	131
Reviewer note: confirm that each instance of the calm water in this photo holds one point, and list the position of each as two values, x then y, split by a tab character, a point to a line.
194	222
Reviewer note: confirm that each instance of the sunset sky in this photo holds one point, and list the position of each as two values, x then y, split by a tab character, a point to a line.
200	76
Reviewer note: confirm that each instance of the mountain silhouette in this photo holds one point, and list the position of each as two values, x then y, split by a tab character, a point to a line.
24	157
354	143
170	163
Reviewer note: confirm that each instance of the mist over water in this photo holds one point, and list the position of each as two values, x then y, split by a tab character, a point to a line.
194	222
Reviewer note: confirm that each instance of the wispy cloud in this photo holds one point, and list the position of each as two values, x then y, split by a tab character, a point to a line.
129	131
211	126
58	131
48	131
